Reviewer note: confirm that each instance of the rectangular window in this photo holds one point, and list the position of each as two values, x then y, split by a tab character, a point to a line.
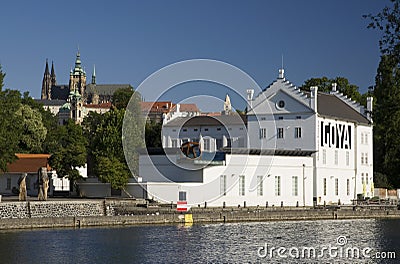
184	130
297	132
324	186
366	178
324	156
8	187
280	132
366	139
205	129
207	144
336	186
362	158
362	178
362	138
223	185
182	196
277	185
175	143
298	117
195	130
347	158
241	185
260	187
336	157
218	129
295	185
348	187
280	118
263	133
366	158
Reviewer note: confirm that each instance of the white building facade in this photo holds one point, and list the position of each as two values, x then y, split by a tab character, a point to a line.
298	149
338	129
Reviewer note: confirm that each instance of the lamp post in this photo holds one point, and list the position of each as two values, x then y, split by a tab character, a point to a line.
304	180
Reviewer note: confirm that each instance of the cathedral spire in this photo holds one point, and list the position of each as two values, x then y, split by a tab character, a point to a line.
53	75
52	69
46	71
46	83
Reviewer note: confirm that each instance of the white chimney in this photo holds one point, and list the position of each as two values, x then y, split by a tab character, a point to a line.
281	74
369	108
334	87
314	98
250	94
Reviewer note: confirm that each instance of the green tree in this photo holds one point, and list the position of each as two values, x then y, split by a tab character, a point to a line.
2	75
343	85
388	21
112	170
121	97
104	133
10	125
33	131
153	134
70	151
49	120
386	117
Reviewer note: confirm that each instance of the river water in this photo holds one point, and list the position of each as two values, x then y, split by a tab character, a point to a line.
210	243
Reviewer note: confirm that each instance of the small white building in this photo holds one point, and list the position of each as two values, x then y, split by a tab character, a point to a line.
233	177
298	148
214	131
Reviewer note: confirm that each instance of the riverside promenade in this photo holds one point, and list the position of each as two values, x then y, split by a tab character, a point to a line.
113	212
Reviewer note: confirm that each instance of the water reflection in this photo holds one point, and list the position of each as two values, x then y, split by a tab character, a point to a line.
200	243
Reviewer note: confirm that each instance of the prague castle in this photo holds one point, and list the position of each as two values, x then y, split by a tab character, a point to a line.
76	99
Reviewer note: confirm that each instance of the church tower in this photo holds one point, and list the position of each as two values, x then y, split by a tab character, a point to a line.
53	81
77	78
46	83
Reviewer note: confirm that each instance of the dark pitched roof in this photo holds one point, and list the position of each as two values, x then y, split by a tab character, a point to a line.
59	92
208	121
55	102
105	89
331	106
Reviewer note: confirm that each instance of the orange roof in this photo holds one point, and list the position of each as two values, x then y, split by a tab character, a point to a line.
187	108
167	106
29	163
163	107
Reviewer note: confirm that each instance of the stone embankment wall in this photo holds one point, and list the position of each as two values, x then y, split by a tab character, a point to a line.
72	213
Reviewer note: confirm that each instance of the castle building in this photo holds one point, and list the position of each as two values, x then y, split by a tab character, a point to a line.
92	93
71	101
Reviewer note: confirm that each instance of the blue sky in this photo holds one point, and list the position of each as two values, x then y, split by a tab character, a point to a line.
129	40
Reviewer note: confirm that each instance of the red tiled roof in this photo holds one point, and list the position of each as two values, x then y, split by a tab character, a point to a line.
166	107
29	163
187	108
159	107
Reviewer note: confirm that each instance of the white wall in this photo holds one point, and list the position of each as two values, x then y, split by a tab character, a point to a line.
250	166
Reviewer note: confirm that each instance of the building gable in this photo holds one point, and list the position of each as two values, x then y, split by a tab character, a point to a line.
280	97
